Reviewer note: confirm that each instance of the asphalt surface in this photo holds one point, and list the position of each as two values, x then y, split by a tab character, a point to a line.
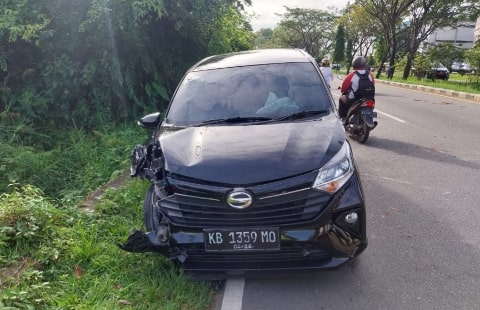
421	175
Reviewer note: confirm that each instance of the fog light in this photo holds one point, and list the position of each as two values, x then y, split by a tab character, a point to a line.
351	218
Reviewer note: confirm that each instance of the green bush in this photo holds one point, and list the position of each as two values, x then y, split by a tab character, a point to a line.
77	162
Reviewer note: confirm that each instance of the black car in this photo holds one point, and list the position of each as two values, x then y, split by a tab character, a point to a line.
439	71
251	170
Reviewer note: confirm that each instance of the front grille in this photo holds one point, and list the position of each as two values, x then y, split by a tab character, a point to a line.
281	203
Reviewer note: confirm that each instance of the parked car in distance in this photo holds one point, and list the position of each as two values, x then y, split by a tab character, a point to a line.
438	71
455	67
251	170
465	68
336	66
462	67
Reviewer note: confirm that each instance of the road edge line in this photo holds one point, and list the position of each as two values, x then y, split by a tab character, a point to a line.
233	294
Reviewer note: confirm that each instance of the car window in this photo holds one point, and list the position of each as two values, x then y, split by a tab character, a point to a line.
272	90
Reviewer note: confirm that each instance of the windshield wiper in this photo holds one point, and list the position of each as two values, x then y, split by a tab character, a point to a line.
301	114
235	120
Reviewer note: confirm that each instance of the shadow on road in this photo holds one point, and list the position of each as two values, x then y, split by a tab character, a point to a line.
414	150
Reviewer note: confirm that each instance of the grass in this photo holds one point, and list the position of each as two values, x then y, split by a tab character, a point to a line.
53	256
456	82
78	162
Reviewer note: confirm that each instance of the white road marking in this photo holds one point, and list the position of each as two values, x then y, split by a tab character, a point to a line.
391	116
233	294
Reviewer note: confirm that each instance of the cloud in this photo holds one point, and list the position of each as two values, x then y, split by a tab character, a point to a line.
266	11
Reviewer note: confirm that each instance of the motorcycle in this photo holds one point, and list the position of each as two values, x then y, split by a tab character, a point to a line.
360	119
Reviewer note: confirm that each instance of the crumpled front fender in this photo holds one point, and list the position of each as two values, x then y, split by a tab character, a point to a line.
138	159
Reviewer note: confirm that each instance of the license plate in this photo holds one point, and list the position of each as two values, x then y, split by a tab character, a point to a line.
369	114
241	239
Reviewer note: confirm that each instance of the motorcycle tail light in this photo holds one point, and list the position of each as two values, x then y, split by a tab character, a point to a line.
370	103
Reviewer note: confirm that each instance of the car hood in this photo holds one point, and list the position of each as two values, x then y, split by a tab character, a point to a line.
249	154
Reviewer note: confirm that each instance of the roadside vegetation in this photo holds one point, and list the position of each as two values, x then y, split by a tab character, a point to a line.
54	256
456	82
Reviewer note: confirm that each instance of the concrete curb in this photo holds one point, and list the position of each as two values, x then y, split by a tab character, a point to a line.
438	91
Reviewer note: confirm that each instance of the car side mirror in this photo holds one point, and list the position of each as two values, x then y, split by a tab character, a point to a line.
150	121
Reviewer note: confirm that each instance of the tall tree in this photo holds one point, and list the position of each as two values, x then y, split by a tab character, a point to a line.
444	53
473	57
389	13
339	49
234	33
266	38
309	29
361	30
381	54
425	17
349	53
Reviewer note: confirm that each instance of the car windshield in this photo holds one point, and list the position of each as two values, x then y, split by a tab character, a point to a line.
249	94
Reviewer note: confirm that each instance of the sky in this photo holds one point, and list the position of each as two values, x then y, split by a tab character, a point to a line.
265	10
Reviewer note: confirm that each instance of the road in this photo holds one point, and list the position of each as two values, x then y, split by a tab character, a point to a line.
421	175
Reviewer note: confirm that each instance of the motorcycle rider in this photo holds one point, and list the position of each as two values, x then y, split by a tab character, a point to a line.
350	86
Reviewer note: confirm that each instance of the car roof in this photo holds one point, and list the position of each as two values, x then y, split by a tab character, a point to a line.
252	57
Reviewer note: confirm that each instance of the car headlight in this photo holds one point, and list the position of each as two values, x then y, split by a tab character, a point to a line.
336	172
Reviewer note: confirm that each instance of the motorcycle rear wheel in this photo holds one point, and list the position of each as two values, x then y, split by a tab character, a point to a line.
362	136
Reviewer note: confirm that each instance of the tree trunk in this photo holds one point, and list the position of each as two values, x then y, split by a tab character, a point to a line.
383	60
391	64
408	66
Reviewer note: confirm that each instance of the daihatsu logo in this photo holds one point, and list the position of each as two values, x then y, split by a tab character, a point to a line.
239	199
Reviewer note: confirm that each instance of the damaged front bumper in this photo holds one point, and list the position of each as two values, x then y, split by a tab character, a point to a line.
325	246
140	242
